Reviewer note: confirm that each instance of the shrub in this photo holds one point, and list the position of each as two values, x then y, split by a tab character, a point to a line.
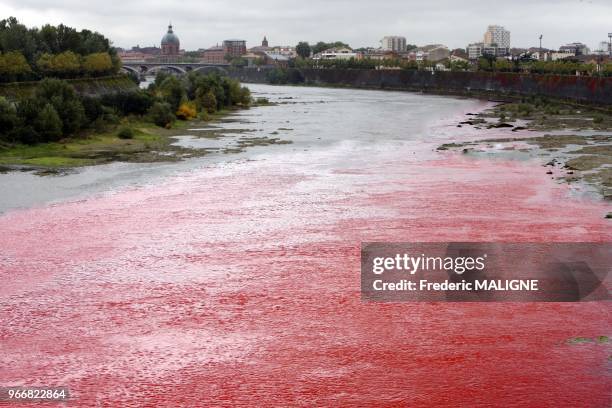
173	92
186	111
64	99
92	107
48	124
598	119
125	133
206	100
8	118
161	114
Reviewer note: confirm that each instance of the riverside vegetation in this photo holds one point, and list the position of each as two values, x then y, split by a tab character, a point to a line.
56	127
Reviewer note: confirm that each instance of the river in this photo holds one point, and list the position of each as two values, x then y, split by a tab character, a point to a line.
234	279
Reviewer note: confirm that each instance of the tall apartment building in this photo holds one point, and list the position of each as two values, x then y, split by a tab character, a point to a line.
234	48
497	35
393	43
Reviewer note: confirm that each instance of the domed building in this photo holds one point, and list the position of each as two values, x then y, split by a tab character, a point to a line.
170	44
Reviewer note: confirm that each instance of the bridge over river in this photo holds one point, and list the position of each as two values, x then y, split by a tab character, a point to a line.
151	68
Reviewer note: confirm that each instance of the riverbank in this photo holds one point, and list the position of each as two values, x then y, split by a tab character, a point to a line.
574	145
148	144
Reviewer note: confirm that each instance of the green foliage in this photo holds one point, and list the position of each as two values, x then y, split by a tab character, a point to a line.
55	111
322	46
64	65
303	49
172	91
14	67
8	119
129	103
48	124
162	114
64	99
503	65
277	76
206	101
459	66
55	51
98	64
125	133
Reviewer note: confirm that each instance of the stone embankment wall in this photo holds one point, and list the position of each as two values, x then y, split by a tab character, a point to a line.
590	90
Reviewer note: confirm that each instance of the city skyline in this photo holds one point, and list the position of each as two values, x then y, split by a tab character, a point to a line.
205	23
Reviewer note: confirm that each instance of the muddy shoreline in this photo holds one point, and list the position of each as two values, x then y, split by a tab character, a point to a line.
574	145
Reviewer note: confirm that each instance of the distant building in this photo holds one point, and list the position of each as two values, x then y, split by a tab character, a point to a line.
264	43
393	43
577	48
434	52
234	48
170	44
380	54
336	53
214	55
498	36
477	50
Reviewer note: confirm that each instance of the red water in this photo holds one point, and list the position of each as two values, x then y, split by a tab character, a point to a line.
238	284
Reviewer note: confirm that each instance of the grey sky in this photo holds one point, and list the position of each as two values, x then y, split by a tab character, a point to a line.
202	23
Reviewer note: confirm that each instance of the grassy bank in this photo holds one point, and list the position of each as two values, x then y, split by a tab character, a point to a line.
148	143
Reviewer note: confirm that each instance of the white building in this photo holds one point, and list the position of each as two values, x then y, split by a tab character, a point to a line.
393	43
577	48
497	35
336	53
477	50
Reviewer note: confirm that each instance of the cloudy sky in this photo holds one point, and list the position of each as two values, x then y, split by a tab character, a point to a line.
202	23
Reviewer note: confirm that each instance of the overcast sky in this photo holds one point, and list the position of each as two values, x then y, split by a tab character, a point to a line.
202	23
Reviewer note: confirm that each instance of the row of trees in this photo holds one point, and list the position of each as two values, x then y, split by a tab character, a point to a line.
559	67
14	66
56	111
59	51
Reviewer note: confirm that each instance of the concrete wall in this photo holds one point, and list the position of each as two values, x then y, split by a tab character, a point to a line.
578	89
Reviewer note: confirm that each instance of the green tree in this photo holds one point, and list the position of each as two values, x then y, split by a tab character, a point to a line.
322	46
99	63
303	49
14	66
161	114
503	65
173	92
65	101
8	119
206	100
48	124
64	65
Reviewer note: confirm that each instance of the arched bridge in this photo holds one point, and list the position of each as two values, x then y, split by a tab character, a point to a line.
151	68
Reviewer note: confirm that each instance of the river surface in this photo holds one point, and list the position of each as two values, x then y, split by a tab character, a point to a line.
234	278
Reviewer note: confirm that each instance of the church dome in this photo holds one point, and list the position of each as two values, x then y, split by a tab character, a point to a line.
170	38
